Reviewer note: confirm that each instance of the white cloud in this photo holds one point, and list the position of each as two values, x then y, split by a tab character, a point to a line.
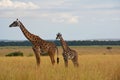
59	17
57	11
9	4
51	3
100	12
100	6
65	18
51	17
73	20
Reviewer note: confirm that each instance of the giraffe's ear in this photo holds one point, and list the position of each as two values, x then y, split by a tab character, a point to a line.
59	33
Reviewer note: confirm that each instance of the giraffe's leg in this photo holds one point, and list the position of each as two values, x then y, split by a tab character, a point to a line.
75	61
65	60
37	54
51	53
52	58
76	64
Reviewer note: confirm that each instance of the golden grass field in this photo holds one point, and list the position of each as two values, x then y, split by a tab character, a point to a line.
96	63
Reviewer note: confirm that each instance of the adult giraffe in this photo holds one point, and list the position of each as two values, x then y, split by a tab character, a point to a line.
39	45
68	54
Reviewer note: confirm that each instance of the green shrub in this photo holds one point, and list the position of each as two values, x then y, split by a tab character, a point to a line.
18	53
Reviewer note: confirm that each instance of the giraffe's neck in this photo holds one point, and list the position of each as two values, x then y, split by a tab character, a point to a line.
27	34
64	44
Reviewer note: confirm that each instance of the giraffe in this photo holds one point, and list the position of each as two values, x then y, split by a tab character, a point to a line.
68	54
39	45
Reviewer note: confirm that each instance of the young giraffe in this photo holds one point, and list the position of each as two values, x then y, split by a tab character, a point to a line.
39	45
68	54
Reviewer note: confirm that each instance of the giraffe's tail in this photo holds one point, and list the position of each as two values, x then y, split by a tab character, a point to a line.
57	55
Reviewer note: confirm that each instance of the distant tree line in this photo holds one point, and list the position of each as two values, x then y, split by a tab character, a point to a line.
57	42
90	43
15	43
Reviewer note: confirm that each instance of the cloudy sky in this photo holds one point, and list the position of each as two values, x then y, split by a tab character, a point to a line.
75	19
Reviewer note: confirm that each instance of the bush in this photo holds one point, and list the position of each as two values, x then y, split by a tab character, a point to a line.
18	53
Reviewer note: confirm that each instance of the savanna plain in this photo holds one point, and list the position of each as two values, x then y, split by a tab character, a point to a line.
95	63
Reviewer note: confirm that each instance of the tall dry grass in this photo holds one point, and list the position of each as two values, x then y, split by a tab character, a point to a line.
96	63
92	67
82	50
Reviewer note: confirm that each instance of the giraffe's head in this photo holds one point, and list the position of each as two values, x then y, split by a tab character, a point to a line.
15	23
58	36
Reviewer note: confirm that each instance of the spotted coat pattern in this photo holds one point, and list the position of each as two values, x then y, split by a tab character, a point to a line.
39	45
68	54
